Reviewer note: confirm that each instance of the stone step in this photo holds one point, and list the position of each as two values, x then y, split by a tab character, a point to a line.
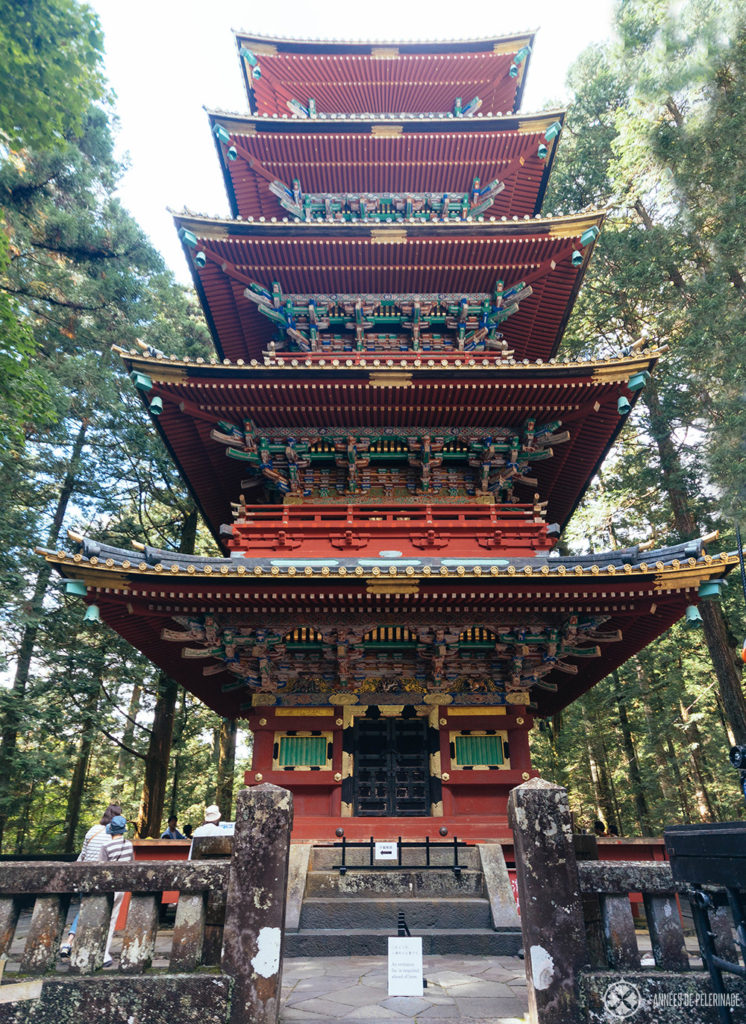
405	882
360	942
361	912
324	858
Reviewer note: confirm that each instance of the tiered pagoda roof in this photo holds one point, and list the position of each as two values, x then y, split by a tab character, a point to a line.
389	448
362	154
310	402
360	78
305	631
341	263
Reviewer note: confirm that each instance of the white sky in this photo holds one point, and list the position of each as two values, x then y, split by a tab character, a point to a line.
167	59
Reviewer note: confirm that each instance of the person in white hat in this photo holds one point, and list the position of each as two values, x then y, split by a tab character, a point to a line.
209	827
211	824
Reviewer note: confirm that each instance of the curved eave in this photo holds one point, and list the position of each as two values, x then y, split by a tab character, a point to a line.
368	149
465	257
196	396
283	74
640	597
293	44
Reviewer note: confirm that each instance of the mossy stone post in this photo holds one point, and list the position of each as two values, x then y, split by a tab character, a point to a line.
255	903
552	923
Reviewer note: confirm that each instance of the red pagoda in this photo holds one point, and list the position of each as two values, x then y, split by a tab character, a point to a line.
387	448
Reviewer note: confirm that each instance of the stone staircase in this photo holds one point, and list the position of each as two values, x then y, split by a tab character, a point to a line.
353	914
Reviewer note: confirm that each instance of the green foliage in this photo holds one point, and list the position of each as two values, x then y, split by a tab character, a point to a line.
51	69
79	277
654	134
22	390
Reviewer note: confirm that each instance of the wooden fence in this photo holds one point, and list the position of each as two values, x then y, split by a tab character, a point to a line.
224	964
583	962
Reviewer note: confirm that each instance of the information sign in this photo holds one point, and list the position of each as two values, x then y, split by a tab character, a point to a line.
386	851
405	966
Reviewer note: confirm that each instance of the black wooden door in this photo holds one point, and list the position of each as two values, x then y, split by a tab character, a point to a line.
391	767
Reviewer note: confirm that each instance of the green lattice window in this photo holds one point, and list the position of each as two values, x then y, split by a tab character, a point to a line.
476	750
302	751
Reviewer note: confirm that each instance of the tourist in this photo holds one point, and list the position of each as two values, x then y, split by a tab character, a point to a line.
187	831
172	831
209	827
116	850
211	824
94	839
599	828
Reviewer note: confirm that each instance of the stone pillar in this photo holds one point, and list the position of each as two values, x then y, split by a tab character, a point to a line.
551	908
255	903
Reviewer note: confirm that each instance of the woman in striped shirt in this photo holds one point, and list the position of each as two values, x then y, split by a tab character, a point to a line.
94	839
117	849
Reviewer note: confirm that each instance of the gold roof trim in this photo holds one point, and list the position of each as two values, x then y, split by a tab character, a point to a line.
166	369
118	577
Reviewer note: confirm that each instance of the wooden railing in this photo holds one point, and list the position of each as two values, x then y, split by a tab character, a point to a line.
224	960
584	963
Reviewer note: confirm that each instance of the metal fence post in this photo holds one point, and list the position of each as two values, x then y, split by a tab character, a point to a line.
255	903
551	908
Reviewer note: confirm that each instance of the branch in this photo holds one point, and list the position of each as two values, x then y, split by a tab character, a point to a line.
124	714
79	252
109	736
26	294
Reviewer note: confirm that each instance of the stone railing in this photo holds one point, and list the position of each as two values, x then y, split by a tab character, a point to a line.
224	962
583	961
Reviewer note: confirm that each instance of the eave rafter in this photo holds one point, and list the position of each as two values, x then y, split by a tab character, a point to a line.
289	399
615	592
356	155
245	271
523	174
300	75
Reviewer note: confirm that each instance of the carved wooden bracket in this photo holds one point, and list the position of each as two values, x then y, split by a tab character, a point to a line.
348	539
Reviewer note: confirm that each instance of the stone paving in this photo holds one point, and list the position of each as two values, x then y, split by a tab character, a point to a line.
354	989
460	990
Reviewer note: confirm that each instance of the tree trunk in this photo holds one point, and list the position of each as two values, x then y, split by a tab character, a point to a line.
77	784
605	785
609	803
24	818
642	812
13	717
598	771
179	726
153	795
673	762
724	722
210	786
226	766
720	645
653	717
705	808
128	738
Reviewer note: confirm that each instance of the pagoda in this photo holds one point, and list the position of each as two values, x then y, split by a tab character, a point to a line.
386	448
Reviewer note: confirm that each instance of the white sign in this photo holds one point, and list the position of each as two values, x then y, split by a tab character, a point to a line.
386	851
405	966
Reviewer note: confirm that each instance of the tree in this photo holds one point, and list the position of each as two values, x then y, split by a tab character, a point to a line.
51	71
85	276
669	266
